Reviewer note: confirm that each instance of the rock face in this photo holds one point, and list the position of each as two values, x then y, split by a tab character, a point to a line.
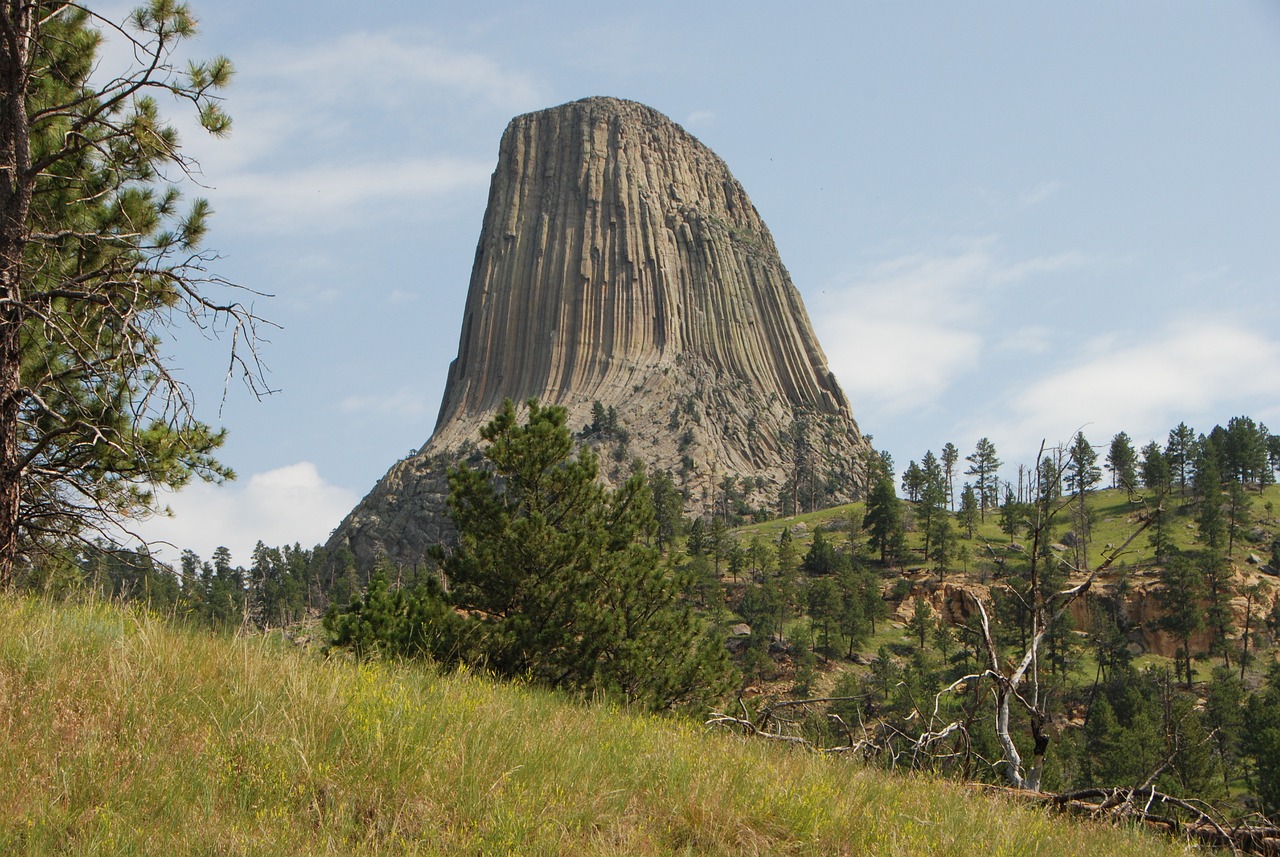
621	263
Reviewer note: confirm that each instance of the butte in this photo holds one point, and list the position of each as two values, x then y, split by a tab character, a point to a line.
621	263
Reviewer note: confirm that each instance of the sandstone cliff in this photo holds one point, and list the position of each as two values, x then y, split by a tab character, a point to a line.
620	262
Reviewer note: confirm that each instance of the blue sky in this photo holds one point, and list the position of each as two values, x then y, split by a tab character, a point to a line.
1008	220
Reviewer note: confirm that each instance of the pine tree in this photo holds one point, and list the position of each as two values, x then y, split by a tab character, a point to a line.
668	507
912	482
932	507
884	520
968	514
1013	515
1208	488
824	604
1224	715
399	622
1122	461
562	576
874	605
921	621
1182	587
1155	469
1245	451
1180	451
942	543
1081	472
950	457
98	258
1238	506
1157	478
1219	618
984	465
1262	740
853	619
821	556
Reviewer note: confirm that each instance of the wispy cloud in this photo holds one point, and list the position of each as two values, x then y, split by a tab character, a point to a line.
1192	369
331	196
700	119
325	134
282	506
401	297
403	404
397	69
1039	193
900	331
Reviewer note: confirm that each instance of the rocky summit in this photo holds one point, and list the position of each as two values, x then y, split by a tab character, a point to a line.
622	271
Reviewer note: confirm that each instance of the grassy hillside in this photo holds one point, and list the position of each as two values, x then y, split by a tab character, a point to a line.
1115	516
121	735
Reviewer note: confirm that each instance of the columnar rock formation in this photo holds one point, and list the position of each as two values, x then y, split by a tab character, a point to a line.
621	263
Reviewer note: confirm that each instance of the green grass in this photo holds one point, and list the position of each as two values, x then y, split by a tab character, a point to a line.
122	735
771	530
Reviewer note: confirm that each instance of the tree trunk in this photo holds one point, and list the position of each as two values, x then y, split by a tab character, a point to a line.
10	460
16	34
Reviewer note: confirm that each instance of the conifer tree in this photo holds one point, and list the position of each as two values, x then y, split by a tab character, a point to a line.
1180	594
874	605
950	456
1122	461
1238	506
821	556
1081	472
1155	469
1157	478
98	260
884	520
824	603
984	465
853	619
1224	715
562	576
932	508
921	621
1180	451
968	514
1208	488
1262	740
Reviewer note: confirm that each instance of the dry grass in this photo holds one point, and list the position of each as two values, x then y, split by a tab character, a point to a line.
122	735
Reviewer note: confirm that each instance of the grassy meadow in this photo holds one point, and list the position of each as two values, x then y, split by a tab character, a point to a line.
125	735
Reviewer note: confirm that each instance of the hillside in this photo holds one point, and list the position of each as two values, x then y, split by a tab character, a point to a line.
122	735
1132	585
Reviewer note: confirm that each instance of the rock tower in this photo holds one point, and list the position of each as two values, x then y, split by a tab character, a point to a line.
620	263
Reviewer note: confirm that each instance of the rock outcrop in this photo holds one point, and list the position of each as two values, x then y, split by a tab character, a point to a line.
621	263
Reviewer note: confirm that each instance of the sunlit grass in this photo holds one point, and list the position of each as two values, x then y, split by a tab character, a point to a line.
122	735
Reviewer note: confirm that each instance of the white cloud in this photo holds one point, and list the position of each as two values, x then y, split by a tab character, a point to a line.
401	297
403	404
901	331
700	119
396	69
1194	369
335	195
324	133
1039	193
282	506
